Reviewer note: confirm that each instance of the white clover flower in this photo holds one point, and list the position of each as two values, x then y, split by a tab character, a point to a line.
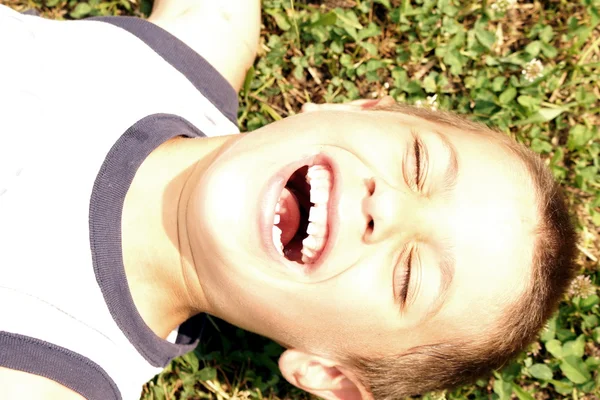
432	102
533	69
582	287
503	5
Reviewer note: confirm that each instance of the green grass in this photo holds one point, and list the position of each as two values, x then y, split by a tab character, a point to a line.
476	58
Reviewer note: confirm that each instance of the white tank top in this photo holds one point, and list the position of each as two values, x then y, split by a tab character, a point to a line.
82	103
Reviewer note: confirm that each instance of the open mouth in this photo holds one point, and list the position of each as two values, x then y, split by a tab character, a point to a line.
300	224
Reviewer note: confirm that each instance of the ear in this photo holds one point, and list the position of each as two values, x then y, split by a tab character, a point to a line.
321	377
355	105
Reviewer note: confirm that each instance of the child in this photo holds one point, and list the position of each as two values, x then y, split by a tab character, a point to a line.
391	250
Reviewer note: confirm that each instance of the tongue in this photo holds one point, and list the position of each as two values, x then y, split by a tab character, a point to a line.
290	216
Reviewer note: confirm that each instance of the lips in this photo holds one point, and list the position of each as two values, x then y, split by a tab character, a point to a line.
314	230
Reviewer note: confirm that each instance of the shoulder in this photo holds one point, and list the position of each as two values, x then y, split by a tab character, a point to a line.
226	34
17	384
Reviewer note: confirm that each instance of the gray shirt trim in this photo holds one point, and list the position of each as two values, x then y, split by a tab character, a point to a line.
196	69
64	366
70	369
106	207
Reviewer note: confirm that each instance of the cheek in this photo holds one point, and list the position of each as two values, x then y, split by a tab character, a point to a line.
381	154
356	307
345	312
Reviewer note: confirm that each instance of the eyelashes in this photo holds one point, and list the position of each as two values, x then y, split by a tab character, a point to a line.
402	275
420	154
406	278
416	163
417	152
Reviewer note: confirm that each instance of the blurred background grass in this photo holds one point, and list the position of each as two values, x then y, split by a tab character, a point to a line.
528	68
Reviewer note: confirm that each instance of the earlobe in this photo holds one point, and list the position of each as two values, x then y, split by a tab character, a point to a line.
320	376
385	101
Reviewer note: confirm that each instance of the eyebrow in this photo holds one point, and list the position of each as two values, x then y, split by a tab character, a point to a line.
447	268
447	265
451	173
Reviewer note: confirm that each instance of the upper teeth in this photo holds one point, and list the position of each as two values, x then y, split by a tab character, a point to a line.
320	180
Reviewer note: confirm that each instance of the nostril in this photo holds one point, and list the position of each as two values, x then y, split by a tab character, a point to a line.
370	227
371	186
368	208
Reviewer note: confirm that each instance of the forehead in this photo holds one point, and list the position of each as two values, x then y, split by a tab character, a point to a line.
487	221
493	227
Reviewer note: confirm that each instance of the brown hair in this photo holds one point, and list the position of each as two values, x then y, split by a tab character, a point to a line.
446	365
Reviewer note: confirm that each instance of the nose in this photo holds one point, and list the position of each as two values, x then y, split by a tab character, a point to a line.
388	211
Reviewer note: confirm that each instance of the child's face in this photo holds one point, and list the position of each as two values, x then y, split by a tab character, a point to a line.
466	232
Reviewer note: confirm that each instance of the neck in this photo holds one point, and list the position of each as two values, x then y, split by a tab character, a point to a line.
162	279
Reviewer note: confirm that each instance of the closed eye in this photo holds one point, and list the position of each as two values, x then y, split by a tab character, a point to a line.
402	277
417	152
406	280
416	163
420	153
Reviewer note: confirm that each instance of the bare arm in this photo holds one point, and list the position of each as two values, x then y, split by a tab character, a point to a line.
225	33
21	385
